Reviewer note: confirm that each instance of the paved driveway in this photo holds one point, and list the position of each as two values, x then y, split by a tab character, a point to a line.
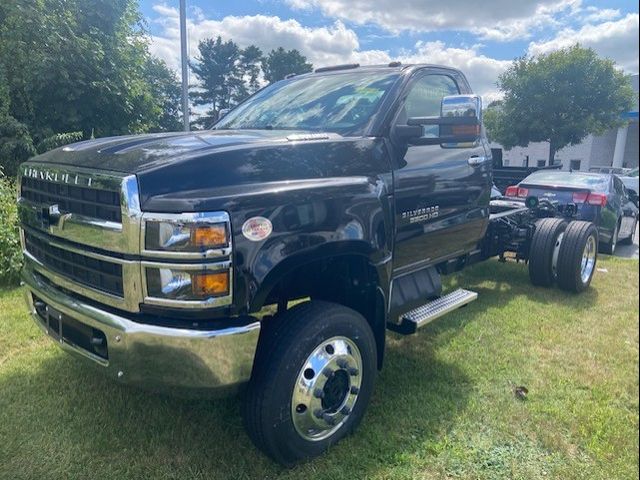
628	251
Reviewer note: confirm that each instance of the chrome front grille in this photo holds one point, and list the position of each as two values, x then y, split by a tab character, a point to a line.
92	208
85	201
91	272
78	227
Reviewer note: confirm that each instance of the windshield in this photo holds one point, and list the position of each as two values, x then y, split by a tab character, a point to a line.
593	182
340	103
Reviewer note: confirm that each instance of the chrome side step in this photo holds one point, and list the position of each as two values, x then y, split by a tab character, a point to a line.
424	314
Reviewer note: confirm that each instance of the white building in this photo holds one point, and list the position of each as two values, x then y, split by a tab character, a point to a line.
617	147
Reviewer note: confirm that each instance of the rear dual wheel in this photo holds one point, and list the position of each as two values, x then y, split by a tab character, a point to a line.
545	248
563	253
578	256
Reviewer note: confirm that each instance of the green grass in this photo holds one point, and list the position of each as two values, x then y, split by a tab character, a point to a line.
443	407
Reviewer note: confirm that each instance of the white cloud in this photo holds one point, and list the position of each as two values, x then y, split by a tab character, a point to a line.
481	71
594	14
617	40
498	20
323	46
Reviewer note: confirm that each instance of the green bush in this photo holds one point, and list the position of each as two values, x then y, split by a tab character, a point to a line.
10	251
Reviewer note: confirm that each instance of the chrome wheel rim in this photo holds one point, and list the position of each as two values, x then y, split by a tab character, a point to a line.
588	259
326	389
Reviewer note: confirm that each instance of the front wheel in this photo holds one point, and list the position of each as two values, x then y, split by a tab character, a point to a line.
312	380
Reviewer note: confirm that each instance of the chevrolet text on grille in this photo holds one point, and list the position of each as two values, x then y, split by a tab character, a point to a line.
56	177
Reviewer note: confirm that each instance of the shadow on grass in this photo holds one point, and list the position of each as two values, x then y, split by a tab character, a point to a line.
503	281
65	420
62	419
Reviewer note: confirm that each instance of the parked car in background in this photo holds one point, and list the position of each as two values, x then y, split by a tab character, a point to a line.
610	170
630	180
599	198
504	175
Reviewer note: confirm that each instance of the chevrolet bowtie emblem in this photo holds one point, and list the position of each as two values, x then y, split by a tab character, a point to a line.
51	216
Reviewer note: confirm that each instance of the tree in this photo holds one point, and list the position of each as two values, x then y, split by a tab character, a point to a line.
227	75
559	98
250	64
166	92
216	69
78	65
280	63
16	144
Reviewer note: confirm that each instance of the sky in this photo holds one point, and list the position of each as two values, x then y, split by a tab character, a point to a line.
480	38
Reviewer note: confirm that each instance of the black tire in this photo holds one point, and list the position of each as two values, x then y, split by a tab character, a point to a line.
629	239
609	248
543	244
283	350
570	269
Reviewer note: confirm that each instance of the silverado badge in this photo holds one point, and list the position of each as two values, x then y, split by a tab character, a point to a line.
420	215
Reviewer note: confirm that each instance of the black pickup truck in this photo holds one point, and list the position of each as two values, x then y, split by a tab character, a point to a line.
276	249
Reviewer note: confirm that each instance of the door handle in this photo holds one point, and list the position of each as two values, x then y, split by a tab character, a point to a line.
476	160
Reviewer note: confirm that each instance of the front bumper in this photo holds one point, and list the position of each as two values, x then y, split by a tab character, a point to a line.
142	354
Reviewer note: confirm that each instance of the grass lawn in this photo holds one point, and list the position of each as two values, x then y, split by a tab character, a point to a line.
443	407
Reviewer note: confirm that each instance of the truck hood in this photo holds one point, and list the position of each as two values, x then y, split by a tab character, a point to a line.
208	169
136	153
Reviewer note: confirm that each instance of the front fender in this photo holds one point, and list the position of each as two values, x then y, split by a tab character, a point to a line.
326	218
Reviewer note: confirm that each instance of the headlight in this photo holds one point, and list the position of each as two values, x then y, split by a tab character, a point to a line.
185	237
173	243
177	284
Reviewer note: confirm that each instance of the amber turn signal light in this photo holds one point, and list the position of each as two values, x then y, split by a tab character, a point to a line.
210	284
209	235
460	130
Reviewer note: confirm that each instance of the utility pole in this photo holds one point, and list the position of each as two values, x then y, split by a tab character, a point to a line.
185	65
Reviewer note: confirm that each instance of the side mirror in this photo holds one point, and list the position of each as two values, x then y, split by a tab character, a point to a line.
459	124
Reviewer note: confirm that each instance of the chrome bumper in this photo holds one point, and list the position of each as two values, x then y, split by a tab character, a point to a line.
149	355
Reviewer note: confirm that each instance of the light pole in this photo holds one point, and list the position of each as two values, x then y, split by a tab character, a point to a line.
185	65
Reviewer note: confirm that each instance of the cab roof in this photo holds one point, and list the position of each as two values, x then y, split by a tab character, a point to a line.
389	67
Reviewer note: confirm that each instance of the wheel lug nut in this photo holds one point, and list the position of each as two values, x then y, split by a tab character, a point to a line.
354	390
318	413
352	371
318	393
345	410
342	363
327	372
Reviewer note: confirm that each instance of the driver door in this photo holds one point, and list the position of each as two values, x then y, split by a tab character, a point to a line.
441	194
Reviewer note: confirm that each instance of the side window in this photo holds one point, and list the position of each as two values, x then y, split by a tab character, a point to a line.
426	95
